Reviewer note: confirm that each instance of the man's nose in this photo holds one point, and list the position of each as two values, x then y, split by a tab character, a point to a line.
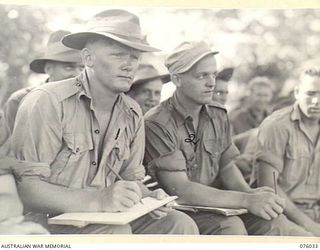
211	81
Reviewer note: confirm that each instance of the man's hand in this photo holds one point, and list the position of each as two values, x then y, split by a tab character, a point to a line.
265	204
121	196
162	211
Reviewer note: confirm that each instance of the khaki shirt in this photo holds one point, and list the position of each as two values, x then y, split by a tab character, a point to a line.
244	119
173	145
284	144
4	136
56	124
11	106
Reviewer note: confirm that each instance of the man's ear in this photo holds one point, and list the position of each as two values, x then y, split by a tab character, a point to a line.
87	57
176	79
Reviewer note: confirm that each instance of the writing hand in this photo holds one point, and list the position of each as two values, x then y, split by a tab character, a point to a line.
265	205
121	196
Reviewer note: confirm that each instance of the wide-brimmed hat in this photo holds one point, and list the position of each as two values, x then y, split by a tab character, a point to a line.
147	72
186	55
56	51
119	25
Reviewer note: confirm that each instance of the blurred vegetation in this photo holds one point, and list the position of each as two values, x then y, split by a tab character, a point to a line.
273	43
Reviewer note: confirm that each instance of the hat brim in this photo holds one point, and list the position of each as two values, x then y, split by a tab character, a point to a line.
164	78
37	65
78	41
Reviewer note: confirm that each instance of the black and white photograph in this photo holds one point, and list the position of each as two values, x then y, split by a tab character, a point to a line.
133	120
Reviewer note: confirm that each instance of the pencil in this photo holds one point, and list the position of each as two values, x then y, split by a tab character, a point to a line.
120	178
275	182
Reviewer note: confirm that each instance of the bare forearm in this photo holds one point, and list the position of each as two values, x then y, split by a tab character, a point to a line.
265	178
294	213
232	179
44	197
197	194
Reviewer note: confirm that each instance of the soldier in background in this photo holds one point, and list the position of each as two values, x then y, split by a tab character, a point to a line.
146	86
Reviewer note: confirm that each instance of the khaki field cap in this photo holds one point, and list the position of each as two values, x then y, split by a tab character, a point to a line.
119	25
56	51
186	55
147	72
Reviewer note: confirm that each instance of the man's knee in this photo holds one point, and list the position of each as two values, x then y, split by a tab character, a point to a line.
180	223
233	226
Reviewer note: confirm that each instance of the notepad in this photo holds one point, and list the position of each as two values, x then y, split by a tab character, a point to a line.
116	218
217	210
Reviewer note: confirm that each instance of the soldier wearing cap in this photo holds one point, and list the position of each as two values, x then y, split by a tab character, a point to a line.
92	135
147	85
58	62
189	149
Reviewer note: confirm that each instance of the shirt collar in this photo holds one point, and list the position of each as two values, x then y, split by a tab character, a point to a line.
182	112
122	102
296	113
82	82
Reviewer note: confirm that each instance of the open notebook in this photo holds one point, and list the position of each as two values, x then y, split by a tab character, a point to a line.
116	218
217	210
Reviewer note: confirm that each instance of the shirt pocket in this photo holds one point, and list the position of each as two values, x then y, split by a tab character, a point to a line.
296	164
73	160
121	149
212	157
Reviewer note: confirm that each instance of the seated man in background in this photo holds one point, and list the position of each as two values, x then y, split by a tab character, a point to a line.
146	86
258	107
11	218
58	62
289	148
221	90
96	135
189	148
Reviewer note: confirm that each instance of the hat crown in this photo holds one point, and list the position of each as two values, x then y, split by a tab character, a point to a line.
119	22
146	71
186	55
57	36
225	74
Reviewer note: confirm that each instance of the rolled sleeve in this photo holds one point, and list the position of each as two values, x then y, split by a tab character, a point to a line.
271	145
20	168
161	153
37	135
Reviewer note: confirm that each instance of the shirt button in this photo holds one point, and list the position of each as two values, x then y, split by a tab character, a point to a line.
97	131
94	163
77	150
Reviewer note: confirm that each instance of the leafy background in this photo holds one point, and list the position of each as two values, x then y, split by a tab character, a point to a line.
268	42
